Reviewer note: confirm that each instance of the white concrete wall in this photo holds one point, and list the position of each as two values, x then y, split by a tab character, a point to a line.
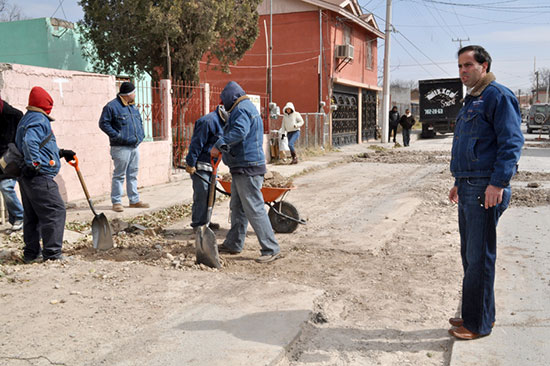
78	101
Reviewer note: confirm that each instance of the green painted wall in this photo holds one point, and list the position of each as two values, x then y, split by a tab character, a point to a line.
46	42
54	43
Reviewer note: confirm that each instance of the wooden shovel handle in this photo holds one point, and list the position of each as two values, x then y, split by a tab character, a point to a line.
213	180
74	163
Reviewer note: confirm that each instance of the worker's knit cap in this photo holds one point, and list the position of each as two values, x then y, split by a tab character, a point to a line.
40	98
126	88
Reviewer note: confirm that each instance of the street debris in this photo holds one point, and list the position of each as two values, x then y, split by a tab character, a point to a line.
271	179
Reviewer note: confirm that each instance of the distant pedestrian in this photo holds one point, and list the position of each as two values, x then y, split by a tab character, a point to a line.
406	122
9	119
393	122
486	148
242	148
207	130
44	209
121	121
292	121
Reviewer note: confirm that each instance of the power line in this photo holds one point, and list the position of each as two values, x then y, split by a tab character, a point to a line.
418	63
419	50
534	9
461	26
433	16
59	6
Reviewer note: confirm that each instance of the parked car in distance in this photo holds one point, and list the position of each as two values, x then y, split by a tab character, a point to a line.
539	118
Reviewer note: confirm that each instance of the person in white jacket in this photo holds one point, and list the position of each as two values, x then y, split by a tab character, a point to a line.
292	121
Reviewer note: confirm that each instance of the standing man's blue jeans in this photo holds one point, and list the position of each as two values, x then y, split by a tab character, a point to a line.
406	136
247	204
292	138
126	161
199	209
478	248
15	209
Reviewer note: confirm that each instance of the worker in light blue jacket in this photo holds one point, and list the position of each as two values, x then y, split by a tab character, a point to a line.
242	149
43	208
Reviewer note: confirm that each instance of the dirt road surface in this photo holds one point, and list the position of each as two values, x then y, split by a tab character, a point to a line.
380	245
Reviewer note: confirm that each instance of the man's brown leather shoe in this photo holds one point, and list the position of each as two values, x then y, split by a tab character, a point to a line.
465	334
139	205
457	322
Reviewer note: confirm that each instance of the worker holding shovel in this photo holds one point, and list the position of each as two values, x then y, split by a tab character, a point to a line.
44	209
206	132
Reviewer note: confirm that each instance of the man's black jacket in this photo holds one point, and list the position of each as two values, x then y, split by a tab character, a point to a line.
9	119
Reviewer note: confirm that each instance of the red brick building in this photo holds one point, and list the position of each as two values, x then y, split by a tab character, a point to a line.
341	72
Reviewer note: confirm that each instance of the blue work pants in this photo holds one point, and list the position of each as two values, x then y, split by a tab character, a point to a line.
247	204
478	249
44	217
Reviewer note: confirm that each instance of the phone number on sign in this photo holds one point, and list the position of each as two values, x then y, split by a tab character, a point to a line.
433	111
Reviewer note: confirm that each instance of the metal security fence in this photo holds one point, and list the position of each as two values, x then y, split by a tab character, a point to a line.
147	94
189	101
314	133
148	103
187	107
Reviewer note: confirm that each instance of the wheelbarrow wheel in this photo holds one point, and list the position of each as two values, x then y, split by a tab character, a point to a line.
279	223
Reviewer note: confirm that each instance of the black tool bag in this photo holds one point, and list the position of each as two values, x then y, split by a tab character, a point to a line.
12	160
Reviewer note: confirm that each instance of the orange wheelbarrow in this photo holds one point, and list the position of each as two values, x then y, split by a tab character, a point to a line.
283	216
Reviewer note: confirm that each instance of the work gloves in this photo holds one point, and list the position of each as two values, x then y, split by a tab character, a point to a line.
190	169
67	154
29	171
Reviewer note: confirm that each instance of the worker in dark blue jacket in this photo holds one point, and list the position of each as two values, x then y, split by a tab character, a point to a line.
206	132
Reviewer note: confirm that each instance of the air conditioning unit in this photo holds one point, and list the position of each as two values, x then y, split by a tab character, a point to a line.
344	51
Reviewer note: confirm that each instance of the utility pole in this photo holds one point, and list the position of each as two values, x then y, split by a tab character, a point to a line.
386	87
270	91
547	87
537	88
461	40
168	60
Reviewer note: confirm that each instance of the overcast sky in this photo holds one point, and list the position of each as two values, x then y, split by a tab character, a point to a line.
515	32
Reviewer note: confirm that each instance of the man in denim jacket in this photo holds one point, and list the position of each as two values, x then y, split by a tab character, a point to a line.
121	121
44	210
242	148
486	148
206	132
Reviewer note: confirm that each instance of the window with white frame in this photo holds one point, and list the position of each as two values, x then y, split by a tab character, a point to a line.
369	59
346	34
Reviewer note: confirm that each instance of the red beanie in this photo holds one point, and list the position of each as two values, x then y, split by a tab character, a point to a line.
41	99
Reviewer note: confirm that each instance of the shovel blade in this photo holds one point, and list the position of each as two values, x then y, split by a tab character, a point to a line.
206	249
101	232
